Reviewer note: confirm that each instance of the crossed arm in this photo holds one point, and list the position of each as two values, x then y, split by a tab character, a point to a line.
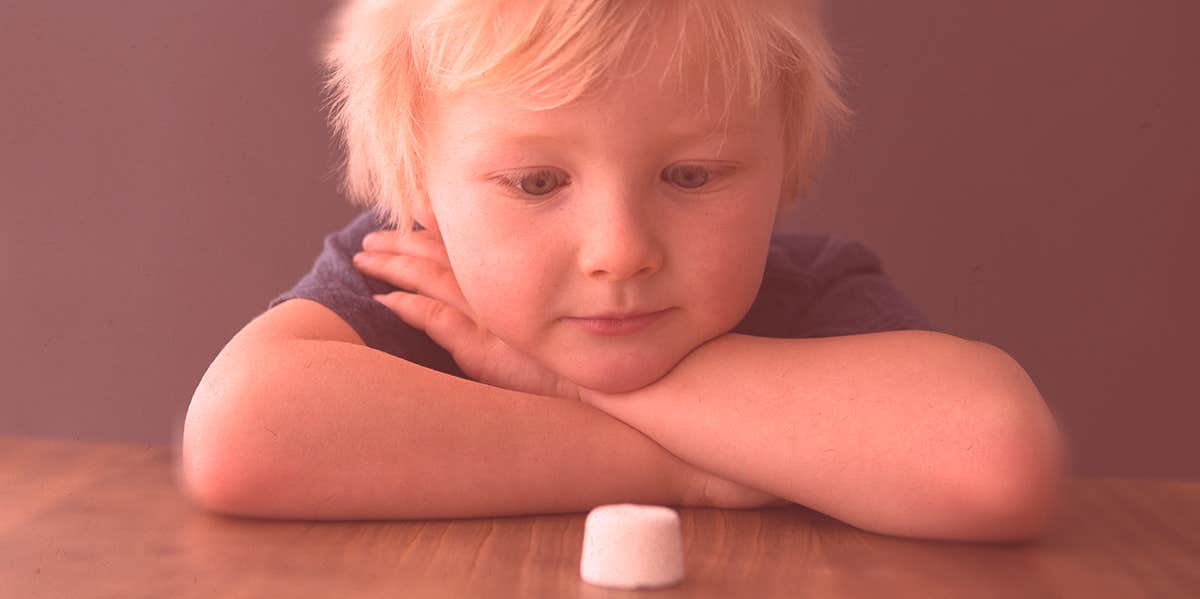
912	433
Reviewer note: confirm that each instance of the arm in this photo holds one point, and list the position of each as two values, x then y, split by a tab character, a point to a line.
318	429
910	433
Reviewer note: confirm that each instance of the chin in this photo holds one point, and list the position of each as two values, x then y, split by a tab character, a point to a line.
617	378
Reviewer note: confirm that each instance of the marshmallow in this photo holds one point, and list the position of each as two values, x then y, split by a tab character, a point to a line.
630	546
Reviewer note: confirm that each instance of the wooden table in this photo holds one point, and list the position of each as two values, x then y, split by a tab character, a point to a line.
106	520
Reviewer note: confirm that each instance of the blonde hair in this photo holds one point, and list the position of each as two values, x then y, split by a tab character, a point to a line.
387	59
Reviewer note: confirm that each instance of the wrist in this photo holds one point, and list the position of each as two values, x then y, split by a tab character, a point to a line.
589	396
692	487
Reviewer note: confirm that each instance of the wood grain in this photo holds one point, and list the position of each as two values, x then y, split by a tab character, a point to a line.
107	520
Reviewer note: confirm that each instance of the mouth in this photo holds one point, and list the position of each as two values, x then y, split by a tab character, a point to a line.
610	324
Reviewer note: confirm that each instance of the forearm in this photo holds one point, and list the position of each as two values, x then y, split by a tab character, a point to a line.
330	430
909	433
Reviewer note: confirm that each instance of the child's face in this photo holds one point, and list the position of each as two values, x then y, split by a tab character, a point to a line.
625	223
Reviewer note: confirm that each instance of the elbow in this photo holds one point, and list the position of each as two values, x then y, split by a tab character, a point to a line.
1018	496
206	487
207	470
1019	501
212	468
209	483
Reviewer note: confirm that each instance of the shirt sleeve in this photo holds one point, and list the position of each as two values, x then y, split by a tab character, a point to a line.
335	283
827	286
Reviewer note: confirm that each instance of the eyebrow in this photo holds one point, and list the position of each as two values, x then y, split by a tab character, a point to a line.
501	134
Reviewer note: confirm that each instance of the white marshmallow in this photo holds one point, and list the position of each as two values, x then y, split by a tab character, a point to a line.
630	546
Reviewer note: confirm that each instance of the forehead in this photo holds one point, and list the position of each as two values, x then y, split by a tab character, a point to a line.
653	98
665	78
491	118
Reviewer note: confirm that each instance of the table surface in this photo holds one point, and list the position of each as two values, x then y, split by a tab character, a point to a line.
107	520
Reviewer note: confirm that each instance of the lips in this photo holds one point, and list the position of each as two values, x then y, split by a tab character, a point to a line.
618	324
616	316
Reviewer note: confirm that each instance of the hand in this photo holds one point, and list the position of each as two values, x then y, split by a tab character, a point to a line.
437	306
708	490
701	488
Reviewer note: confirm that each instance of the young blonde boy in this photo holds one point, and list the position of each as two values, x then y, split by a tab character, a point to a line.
572	294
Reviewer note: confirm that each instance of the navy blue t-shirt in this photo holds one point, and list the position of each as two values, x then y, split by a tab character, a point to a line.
815	285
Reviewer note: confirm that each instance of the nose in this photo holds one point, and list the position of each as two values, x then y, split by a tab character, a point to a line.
618	239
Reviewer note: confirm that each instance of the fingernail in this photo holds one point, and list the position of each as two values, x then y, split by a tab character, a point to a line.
360	257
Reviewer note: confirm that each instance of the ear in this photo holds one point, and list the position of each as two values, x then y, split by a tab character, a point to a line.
422	211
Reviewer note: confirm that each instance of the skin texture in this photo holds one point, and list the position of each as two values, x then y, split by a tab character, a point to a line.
912	433
625	226
650	202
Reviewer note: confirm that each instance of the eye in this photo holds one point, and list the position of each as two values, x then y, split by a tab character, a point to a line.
534	183
687	176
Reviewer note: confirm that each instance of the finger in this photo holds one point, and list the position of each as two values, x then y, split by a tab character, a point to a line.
428	245
415	274
448	327
417	243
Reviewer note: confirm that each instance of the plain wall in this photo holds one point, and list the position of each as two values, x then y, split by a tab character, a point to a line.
1026	169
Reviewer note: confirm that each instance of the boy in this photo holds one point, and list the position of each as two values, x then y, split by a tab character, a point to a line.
579	299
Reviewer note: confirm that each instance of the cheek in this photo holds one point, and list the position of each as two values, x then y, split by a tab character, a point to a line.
502	284
731	282
726	270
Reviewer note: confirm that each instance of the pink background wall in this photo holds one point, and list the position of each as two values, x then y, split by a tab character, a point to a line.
1026	169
